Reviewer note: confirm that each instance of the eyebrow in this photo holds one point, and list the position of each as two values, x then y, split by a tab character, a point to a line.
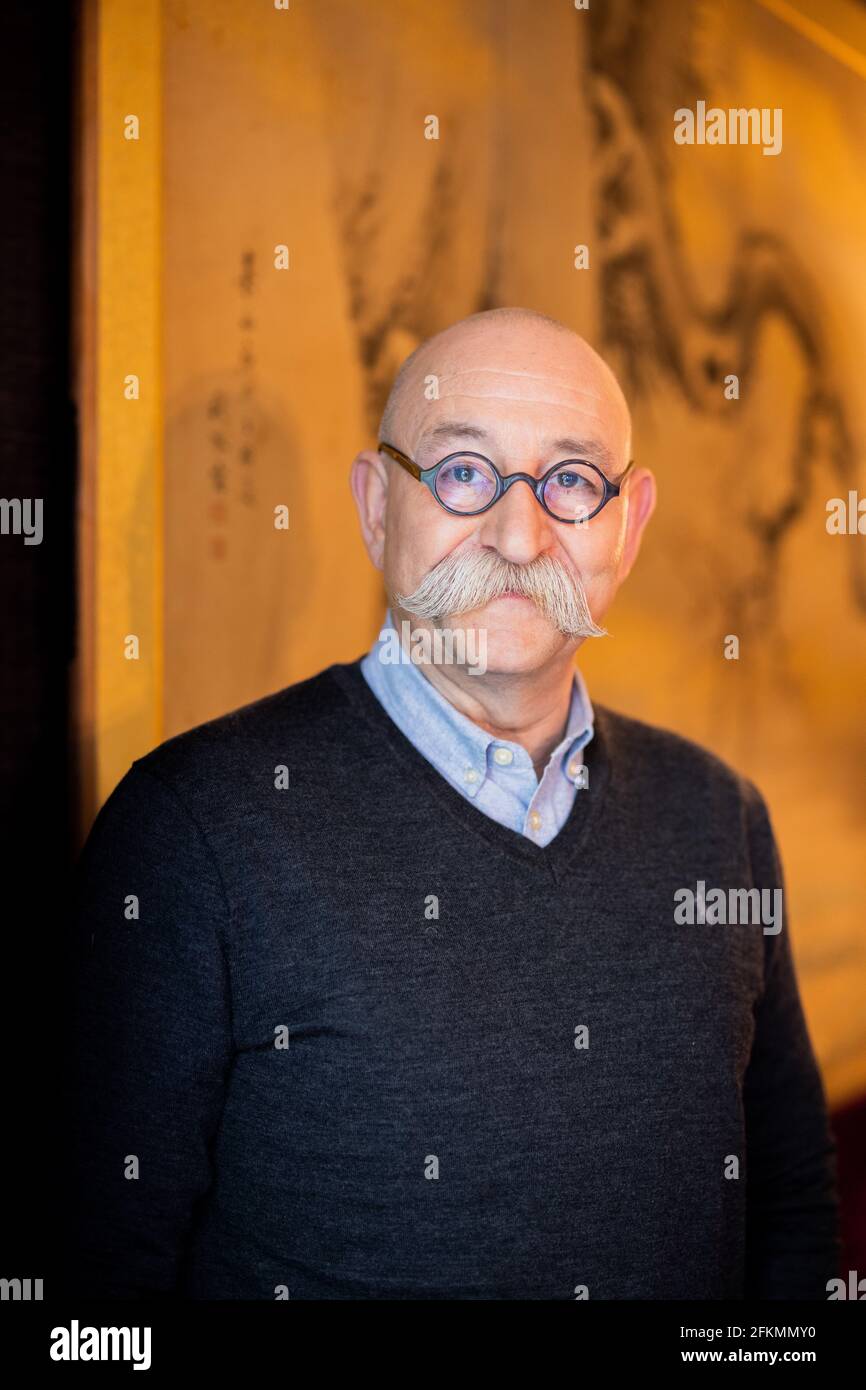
566	446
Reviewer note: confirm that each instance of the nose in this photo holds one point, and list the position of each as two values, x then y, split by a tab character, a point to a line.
517	525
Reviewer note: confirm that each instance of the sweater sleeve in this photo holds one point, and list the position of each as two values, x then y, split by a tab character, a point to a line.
151	1041
792	1239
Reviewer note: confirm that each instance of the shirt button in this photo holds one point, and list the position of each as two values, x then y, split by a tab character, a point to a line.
574	767
534	820
503	756
470	775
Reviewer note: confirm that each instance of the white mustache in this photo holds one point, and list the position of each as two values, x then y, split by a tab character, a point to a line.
464	581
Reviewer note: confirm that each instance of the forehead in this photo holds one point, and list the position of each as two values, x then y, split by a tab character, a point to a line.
519	400
519	384
476	436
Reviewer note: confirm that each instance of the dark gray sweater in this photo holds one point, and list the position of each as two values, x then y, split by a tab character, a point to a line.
362	1041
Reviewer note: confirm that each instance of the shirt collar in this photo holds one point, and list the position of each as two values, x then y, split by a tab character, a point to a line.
455	745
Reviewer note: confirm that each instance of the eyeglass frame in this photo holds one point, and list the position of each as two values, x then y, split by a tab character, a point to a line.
427	476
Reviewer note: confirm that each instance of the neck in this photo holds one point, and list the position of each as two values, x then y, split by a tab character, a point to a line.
530	708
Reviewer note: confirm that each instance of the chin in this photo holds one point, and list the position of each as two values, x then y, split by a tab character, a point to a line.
517	637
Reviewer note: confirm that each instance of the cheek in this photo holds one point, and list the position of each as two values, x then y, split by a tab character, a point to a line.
596	552
418	534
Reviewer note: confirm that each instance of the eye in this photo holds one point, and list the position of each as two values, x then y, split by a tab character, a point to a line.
573	491
466	484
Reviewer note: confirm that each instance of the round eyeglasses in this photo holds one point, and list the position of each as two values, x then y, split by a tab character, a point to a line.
467	484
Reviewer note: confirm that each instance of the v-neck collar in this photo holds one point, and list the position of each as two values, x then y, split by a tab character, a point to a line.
563	854
462	752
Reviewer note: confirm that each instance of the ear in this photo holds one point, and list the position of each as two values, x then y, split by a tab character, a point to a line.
640	507
368	479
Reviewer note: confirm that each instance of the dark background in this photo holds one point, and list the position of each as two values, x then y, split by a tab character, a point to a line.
37	629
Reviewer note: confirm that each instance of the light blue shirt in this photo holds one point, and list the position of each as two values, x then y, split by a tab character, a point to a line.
493	773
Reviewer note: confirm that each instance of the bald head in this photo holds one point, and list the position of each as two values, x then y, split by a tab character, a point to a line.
517	342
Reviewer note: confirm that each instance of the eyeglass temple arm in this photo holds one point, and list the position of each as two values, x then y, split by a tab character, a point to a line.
401	458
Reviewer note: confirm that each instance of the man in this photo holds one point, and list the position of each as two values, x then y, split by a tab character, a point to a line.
390	992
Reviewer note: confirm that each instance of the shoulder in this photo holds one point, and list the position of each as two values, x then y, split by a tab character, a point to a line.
209	767
667	765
